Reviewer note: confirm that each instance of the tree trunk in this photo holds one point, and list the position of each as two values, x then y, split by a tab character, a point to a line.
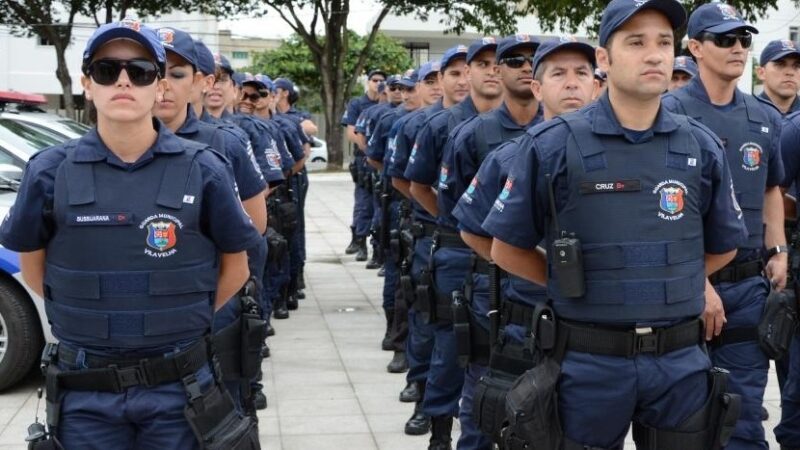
62	73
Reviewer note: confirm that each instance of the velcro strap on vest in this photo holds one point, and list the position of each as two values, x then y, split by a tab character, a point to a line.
117	375
733	273
516	314
645	291
449	239
619	256
629	343
84	284
734	336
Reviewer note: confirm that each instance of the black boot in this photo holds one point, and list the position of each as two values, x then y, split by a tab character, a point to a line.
265	351
419	423
363	253
291	297
279	310
260	400
398	364
376	261
301	294
412	393
386	343
291	303
441	427
270	330
352	247
382	271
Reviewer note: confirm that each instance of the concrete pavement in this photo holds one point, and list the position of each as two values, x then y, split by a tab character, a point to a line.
326	381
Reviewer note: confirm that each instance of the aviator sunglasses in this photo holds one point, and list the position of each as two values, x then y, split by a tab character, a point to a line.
516	61
728	40
255	96
106	72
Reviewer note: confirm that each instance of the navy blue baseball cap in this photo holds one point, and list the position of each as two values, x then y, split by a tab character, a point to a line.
286	84
223	63
427	69
716	18
515	42
618	12
685	64
481	45
126	29
778	49
178	42
205	59
256	80
375	72
452	54
565	42
265	80
409	79
392	80
238	78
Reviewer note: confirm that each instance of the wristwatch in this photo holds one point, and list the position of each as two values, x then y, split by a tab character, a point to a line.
777	249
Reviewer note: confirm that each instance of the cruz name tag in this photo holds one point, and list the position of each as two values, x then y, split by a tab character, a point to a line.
602	187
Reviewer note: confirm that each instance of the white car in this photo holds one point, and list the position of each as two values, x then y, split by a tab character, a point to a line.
319	151
48	123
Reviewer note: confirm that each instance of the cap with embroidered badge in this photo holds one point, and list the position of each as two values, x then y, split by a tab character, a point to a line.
205	59
619	12
685	64
127	28
256	80
425	70
409	78
223	63
479	46
716	18
514	42
178	42
778	49
564	42
452	54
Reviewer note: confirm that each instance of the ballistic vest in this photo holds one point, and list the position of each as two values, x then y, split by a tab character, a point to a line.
128	265
746	146
636	210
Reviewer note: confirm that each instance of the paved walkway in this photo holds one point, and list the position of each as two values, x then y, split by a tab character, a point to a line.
326	380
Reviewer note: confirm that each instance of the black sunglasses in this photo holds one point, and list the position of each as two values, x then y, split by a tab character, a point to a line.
728	40
516	61
394	88
106	72
254	96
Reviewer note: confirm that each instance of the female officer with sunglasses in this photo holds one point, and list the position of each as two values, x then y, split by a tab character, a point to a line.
750	130
133	237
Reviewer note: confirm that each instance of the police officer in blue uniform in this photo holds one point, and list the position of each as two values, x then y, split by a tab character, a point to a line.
644	198
683	70
419	343
788	431
562	71
362	208
750	131
779	70
123	231
377	131
450	261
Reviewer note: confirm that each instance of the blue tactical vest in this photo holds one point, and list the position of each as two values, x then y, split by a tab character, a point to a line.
636	210
490	134
745	146
128	265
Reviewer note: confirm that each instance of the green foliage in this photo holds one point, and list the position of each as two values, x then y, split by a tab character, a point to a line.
293	60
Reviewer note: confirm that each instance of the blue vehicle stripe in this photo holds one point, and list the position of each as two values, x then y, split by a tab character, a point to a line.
9	261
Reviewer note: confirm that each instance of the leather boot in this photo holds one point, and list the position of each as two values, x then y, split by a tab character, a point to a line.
265	351
412	393
291	303
376	261
352	247
270	330
398	364
382	271
300	294
441	427
363	253
260	400
419	423
386	343
279	310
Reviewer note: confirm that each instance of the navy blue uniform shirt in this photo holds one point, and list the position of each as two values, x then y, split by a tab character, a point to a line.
378	145
790	149
520	214
354	109
27	228
793	108
221	137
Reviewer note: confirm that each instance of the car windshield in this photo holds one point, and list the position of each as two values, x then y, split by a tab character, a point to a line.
24	137
76	127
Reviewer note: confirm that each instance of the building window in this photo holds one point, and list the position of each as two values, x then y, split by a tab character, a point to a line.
419	52
794	34
241	55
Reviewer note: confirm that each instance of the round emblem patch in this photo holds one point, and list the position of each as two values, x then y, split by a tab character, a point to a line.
751	156
162	235
671	198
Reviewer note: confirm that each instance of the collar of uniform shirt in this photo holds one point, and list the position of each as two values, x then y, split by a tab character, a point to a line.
604	121
91	149
191	124
698	90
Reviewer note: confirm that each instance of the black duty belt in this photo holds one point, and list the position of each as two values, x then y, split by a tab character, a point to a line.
733	273
631	342
118	374
481	266
734	336
449	239
423	229
516	314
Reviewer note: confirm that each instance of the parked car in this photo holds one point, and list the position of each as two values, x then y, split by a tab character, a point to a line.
48	123
19	141
319	151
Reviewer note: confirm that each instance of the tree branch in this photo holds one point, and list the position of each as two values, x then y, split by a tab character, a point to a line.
362	57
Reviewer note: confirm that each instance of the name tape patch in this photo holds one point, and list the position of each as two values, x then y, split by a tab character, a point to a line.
602	187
